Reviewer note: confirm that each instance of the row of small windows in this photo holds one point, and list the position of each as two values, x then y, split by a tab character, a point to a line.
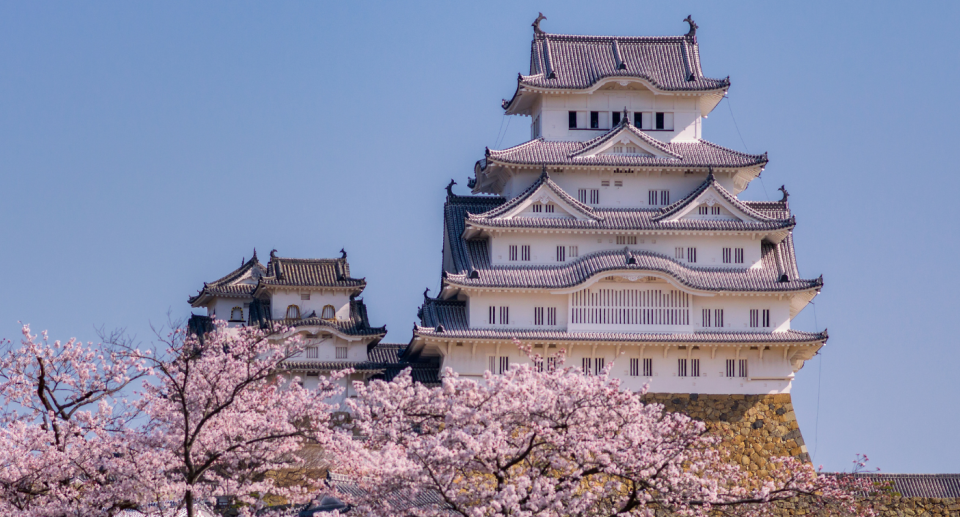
595	366
658	197
594	196
651	120
542	207
521	252
538	315
690	254
293	312
714	318
708	210
313	352
541	315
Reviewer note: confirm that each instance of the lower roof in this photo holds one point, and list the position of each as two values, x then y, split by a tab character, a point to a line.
448	319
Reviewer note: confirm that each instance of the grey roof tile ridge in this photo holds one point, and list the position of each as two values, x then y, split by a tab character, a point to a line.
760	157
624	125
492	152
679	271
543	181
711	181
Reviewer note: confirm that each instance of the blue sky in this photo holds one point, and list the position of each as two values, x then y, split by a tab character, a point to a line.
147	147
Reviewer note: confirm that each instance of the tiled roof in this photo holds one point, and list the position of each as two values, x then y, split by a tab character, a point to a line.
938	486
470	264
227	286
310	273
711	182
774	217
452	315
543	182
575	272
384	358
356	325
669	63
455	212
701	153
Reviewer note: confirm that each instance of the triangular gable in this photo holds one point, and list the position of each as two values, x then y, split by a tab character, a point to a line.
544	191
711	194
623	136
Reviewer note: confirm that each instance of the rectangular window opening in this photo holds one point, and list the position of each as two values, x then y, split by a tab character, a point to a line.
561	253
648	367
660	121
572	119
694	367
681	367
312	352
582	195
341	352
615	118
594	196
525	252
551	315
513	252
594	120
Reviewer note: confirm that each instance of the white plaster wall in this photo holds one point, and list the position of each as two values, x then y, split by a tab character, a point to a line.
736	312
221	307
521	309
554	112
326	350
769	375
632	194
280	300
543	247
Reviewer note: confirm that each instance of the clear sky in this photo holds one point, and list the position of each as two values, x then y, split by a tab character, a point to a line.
147	147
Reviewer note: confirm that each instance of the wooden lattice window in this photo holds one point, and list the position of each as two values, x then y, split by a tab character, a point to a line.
293	312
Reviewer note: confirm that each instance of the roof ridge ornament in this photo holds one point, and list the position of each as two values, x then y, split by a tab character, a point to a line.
273	253
710	176
786	194
693	26
450	185
625	119
543	173
343	255
536	23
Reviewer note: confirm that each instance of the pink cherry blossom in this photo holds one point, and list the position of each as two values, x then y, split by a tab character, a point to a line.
552	443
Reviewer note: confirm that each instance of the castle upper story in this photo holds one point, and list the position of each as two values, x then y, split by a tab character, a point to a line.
580	86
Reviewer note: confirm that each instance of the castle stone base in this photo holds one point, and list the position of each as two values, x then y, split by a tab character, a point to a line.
754	428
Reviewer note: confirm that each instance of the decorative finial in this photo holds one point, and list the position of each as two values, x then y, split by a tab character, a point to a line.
425	291
343	254
543	172
710	176
536	23
625	119
254	257
273	254
450	188
693	25
786	194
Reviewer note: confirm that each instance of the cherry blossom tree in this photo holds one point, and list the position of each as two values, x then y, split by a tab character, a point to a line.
553	443
66	445
224	416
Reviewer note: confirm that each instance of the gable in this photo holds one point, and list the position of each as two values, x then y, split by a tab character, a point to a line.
626	149
622	140
711	205
543	204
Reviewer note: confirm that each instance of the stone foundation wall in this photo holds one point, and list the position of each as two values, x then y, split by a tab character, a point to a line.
754	428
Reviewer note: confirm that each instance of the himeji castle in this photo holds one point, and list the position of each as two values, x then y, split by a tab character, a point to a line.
616	234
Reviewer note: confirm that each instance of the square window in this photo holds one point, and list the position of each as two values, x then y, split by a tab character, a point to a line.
304	296
312	352
341	352
618	183
605	183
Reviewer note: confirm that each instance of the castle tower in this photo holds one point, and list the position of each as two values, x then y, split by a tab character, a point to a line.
616	233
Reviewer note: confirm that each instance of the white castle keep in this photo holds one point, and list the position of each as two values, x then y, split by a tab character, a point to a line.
615	234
